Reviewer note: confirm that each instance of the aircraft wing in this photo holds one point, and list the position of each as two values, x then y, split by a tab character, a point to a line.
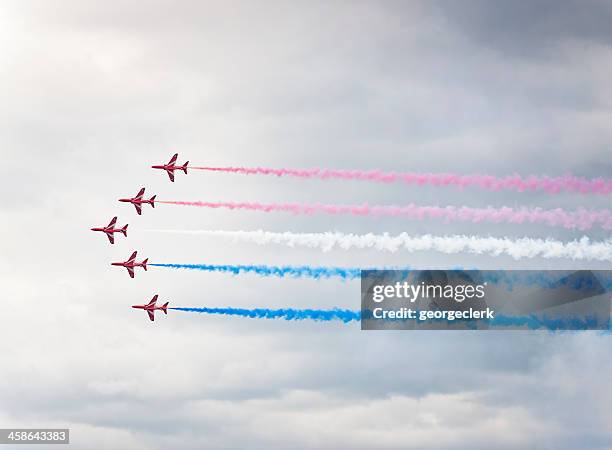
153	300
112	223
130	271
140	193
173	159
138	207
170	174
151	315
111	237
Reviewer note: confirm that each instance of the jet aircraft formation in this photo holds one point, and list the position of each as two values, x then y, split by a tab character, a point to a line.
109	230
151	307
171	167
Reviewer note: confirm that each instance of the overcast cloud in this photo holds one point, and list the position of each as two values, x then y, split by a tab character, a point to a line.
92	93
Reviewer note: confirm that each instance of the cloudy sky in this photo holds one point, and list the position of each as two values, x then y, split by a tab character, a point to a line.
92	93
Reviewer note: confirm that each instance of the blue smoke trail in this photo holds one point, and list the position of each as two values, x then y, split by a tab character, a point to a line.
279	271
322	315
509	278
537	323
530	322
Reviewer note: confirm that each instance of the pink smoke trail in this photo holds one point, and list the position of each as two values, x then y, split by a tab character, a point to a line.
551	185
581	219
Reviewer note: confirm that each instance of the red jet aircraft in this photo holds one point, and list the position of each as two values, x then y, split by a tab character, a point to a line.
138	201
171	167
110	230
131	263
150	307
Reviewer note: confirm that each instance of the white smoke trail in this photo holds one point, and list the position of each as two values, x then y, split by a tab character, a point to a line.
582	249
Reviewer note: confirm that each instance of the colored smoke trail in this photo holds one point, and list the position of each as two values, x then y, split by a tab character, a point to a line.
530	322
321	315
582	249
581	219
507	278
550	185
278	271
533	322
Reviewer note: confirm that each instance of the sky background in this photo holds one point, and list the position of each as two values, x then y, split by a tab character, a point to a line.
93	93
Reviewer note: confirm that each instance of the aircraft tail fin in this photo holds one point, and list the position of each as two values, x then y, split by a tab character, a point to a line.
144	264
124	230
164	308
184	167
152	200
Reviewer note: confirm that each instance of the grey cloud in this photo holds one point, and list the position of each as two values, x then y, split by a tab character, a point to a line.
529	29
